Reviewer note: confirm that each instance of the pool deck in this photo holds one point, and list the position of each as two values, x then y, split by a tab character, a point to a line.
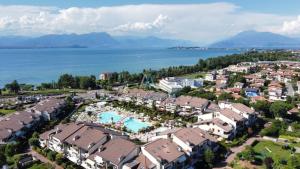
122	118
97	110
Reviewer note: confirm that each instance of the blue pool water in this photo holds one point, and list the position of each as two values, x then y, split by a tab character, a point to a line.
251	94
135	125
108	117
130	123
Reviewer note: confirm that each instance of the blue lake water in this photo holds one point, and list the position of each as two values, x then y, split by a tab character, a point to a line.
44	65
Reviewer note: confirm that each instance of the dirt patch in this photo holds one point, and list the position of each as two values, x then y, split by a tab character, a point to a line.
248	165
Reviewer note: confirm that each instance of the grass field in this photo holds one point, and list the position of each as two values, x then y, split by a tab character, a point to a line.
291	139
55	91
245	165
6	112
280	155
274	150
46	92
194	75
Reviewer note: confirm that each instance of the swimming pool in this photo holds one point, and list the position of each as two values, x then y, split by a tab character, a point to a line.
251	94
109	117
135	125
130	123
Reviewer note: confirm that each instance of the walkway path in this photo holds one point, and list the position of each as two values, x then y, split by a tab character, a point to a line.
44	159
234	152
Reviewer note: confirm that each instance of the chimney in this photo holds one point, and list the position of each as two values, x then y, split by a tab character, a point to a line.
121	158
58	130
91	145
100	149
76	138
21	122
179	149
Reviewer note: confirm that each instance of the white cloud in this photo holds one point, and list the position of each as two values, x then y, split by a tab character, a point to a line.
158	23
291	27
202	23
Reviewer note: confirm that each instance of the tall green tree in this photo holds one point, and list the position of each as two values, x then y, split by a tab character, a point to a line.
86	82
13	87
269	162
280	108
225	96
262	106
33	142
209	157
66	81
10	149
294	162
2	155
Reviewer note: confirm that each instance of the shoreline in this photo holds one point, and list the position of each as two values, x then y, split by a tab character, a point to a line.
93	61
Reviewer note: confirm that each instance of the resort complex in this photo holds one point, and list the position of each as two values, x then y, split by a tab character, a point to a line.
149	84
176	122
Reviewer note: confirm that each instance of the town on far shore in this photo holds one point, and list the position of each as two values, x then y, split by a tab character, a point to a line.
235	111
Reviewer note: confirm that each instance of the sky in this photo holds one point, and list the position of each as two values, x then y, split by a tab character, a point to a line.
200	21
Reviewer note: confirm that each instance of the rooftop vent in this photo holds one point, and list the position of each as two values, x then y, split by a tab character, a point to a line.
76	138
121	158
58	130
100	149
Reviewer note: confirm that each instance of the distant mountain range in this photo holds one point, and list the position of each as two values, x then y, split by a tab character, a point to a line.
247	39
90	40
253	39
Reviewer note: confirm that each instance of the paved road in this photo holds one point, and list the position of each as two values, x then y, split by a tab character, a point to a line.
236	150
43	159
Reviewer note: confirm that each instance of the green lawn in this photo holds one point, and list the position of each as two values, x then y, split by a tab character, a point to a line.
276	150
292	140
194	75
6	112
55	91
271	149
46	92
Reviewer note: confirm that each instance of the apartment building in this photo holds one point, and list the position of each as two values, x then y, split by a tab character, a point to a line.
94	147
164	154
226	121
105	75
218	127
174	84
90	145
143	97
185	104
186	146
17	125
242	67
83	143
49	108
140	162
56	139
211	76
275	91
114	154
193	141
